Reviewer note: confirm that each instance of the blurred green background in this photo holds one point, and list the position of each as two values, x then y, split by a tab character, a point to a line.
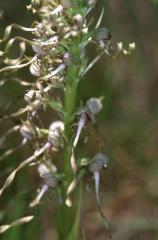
126	132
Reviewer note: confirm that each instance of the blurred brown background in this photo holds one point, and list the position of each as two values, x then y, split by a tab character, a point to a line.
126	131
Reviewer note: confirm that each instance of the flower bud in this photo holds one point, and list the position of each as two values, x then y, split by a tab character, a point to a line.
51	41
103	34
36	105
60	27
67	59
42	169
49	179
74	33
98	162
35	69
85	29
57	10
27	132
39	50
37	4
47	175
78	19
94	105
31	96
54	136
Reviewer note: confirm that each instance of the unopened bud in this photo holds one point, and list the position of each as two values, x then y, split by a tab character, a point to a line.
35	69
27	132
49	179
39	50
36	4
85	29
74	33
98	162
47	175
51	41
34	99
94	105
103	34
54	136
31	96
78	19
42	169
67	59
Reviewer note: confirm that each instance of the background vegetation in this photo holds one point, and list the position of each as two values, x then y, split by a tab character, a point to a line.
127	132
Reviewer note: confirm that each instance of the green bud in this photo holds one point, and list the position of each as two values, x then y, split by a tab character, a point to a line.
103	34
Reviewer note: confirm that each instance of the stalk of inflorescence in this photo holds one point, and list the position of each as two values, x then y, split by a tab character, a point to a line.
69	216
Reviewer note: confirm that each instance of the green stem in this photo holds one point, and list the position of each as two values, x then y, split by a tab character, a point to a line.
69	219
